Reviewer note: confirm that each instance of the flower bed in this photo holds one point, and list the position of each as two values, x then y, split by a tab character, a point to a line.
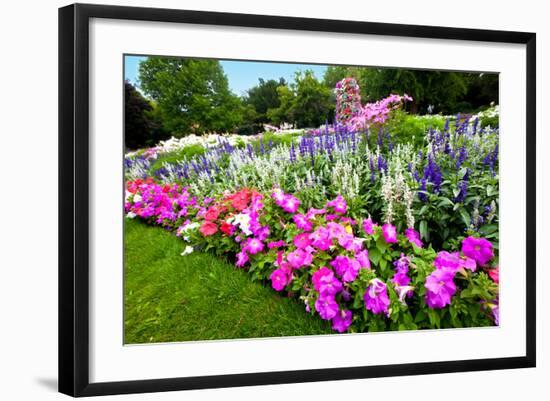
360	275
369	231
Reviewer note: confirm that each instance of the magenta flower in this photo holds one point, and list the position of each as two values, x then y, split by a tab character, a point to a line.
478	249
336	230
347	268
466	262
400	279
299	258
290	204
242	258
339	204
312	212
280	278
279	196
363	259
302	222
440	288
347	242
342	320
321	239
253	246
368	226
414	237
447	261
348	220
302	241
326	306
275	244
376	297
261	233
322	272
327	284
390	233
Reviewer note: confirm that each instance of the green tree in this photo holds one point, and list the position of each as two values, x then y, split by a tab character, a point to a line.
306	102
141	124
192	95
448	92
263	97
442	89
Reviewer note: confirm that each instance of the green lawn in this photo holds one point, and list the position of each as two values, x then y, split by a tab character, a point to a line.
169	297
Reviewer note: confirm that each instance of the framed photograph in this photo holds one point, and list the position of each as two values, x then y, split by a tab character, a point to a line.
251	199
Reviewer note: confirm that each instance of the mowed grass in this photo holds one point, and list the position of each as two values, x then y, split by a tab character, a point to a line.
169	297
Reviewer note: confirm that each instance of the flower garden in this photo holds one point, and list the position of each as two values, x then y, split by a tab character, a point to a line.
367	230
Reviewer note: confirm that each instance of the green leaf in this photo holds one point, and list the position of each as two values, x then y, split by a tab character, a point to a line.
445	202
383	264
381	245
488	229
424	229
374	255
465	217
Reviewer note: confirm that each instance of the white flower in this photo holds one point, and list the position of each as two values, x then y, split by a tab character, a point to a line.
137	198
243	221
188	249
130	215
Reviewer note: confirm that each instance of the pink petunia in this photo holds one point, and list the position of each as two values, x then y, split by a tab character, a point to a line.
414	237
280	278
363	258
440	288
302	240
253	246
299	258
368	226
479	249
290	204
339	204
390	233
327	307
242	258
376	297
302	222
342	320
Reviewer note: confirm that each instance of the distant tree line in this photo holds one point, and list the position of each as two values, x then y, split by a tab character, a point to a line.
182	96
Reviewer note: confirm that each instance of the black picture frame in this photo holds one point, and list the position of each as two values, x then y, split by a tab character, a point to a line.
74	198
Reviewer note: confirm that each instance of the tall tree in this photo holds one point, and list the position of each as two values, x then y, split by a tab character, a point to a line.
141	128
306	102
263	97
192	95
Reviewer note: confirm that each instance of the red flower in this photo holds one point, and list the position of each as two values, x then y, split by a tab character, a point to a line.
212	213
166	188
494	274
208	228
227	228
240	200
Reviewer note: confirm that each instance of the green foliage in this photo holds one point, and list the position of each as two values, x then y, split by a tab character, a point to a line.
186	153
449	92
263	97
306	102
199	297
142	126
407	128
192	94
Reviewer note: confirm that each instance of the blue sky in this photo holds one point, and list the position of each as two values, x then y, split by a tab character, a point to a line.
242	75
